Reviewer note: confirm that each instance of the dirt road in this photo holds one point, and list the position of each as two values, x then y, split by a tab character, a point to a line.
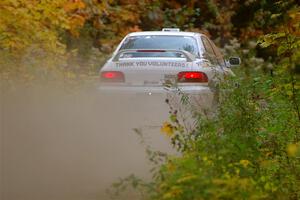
61	144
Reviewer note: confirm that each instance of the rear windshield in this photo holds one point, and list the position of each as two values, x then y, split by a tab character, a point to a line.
160	42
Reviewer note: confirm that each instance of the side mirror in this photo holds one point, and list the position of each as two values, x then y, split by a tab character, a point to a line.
234	61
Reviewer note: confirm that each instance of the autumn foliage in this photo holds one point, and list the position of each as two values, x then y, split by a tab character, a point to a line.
66	34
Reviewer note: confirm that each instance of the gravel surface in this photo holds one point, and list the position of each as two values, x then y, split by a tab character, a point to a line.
60	143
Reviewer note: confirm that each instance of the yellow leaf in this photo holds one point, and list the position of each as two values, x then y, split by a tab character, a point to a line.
245	163
74	5
292	149
168	129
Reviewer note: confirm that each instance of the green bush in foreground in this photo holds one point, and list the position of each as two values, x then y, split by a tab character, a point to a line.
249	151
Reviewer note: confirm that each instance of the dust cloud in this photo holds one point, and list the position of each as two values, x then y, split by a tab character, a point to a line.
61	143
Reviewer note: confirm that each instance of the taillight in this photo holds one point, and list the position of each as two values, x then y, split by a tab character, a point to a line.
192	77
112	76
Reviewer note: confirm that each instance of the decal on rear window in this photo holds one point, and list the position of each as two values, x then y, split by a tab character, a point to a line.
152	63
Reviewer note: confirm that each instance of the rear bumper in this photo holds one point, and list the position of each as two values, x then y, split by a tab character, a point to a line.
200	98
192	90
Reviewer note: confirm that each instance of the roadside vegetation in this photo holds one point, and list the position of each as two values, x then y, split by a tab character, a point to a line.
249	150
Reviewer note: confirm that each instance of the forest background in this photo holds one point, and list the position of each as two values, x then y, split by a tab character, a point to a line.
39	37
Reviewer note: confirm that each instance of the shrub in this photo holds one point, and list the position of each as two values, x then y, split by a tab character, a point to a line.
250	150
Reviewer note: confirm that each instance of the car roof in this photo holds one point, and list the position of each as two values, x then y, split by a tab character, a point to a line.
171	33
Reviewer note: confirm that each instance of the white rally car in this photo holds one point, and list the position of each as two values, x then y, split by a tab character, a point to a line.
164	61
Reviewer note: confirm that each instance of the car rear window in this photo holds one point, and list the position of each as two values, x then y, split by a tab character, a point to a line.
186	43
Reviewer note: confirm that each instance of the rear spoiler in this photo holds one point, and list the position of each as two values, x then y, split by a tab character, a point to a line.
189	57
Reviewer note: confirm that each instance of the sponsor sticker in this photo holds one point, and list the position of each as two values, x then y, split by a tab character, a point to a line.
152	64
